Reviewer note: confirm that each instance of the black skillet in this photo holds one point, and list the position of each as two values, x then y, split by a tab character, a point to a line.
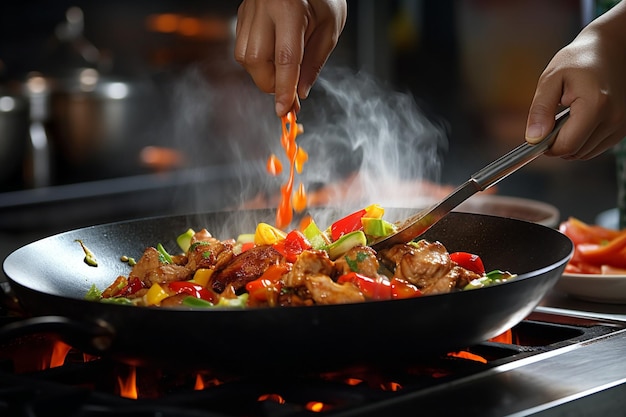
50	279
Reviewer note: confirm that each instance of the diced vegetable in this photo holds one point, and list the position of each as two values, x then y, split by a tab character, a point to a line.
493	277
202	276
315	236
184	240
403	289
468	261
164	257
348	224
377	227
155	295
345	243
374	211
292	245
192	289
239	302
94	294
372	288
266	234
196	302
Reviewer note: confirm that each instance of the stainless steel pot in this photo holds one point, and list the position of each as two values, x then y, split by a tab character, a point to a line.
99	123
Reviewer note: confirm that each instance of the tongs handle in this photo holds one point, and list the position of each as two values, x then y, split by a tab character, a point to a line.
517	158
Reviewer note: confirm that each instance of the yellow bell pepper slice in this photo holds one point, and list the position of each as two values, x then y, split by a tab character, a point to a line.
374	211
155	295
266	234
202	276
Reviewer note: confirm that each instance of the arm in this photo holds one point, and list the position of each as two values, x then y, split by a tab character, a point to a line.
284	44
589	77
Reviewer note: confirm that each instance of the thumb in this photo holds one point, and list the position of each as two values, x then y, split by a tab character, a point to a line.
540	122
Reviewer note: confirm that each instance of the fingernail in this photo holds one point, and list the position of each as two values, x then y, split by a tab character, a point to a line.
534	132
280	109
307	90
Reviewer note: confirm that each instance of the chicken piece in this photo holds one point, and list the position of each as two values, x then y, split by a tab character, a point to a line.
422	264
210	254
309	262
150	270
464	276
245	267
361	259
324	290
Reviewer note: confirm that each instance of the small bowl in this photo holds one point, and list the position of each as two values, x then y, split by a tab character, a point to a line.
608	289
512	207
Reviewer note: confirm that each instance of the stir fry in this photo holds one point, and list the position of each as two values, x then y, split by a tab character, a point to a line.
273	268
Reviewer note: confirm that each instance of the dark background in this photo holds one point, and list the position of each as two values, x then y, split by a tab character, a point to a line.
471	67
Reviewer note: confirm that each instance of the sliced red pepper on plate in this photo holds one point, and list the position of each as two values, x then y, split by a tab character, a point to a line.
581	232
347	224
194	290
612	253
294	243
468	261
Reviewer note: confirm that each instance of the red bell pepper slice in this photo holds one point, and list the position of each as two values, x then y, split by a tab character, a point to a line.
194	290
268	284
348	224
468	261
403	289
372	288
612	253
246	246
134	285
293	245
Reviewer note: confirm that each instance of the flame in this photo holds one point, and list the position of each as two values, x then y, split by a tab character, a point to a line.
199	386
272	397
317	406
391	386
128	386
353	381
467	355
506	337
59	353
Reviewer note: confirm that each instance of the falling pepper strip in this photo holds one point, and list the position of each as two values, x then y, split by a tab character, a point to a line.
297	158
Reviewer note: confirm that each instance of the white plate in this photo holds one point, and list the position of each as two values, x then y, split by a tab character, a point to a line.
512	207
609	289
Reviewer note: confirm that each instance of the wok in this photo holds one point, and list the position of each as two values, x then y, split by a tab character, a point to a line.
50	279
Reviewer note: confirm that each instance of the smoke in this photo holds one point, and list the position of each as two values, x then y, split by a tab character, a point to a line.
366	143
375	140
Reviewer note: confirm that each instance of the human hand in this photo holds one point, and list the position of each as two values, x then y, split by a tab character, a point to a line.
588	77
284	44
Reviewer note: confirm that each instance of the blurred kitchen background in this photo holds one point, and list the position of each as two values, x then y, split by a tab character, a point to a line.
117	110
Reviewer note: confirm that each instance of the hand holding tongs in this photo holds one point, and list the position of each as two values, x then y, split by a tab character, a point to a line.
499	169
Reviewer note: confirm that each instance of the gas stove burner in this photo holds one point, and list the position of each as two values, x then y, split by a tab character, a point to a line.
547	360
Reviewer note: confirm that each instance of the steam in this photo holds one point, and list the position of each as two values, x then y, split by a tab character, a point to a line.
366	143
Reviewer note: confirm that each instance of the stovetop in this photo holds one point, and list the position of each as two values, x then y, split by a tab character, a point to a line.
555	363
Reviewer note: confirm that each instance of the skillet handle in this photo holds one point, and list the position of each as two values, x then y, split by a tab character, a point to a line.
95	337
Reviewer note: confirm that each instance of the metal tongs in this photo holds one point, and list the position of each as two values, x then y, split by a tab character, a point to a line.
499	169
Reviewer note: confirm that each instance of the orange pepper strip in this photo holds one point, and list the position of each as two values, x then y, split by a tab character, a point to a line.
284	213
613	253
